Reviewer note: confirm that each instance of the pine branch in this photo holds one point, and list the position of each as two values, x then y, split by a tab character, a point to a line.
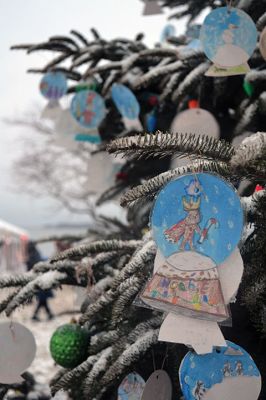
79	252
127	358
151	186
165	144
46	281
69	377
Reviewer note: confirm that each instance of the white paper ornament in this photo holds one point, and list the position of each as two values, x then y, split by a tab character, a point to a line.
263	43
202	335
152	8
197	121
158	386
18	349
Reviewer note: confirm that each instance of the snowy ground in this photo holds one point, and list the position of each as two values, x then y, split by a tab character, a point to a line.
65	301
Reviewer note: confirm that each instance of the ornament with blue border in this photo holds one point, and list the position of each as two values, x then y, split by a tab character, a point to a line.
131	387
88	109
229	37
198	212
167	32
226	373
53	87
197	222
127	104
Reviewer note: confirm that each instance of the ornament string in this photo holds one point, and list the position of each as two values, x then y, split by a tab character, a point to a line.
12	329
164	359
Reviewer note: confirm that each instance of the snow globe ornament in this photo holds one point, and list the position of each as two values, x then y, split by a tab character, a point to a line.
53	86
167	32
131	387
229	37
262	43
88	109
127	104
201	334
227	373
197	223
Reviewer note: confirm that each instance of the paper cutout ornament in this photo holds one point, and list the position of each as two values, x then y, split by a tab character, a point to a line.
230	273
198	212
187	284
197	121
127	104
262	43
168	31
202	335
88	109
69	131
53	86
229	37
18	349
227	373
131	387
158	386
152	8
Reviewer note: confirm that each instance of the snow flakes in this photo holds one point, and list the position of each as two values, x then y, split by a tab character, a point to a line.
230	224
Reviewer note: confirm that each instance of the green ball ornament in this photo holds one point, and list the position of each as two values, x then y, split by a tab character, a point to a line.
69	344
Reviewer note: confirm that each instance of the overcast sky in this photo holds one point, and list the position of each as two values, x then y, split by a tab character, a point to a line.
31	21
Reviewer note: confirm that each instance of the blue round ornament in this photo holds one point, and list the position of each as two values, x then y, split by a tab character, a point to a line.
125	101
229	37
168	31
226	373
88	108
131	387
53	85
197	212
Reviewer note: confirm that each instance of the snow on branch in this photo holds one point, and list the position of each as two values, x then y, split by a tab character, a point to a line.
151	186
96	247
46	281
67	377
165	144
127	358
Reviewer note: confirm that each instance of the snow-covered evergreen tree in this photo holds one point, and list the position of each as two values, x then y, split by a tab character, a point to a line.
123	335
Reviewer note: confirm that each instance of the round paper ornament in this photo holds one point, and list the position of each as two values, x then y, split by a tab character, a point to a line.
131	387
68	345
53	85
228	36
197	121
18	349
127	104
198	212
168	31
88	109
226	373
158	386
263	43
